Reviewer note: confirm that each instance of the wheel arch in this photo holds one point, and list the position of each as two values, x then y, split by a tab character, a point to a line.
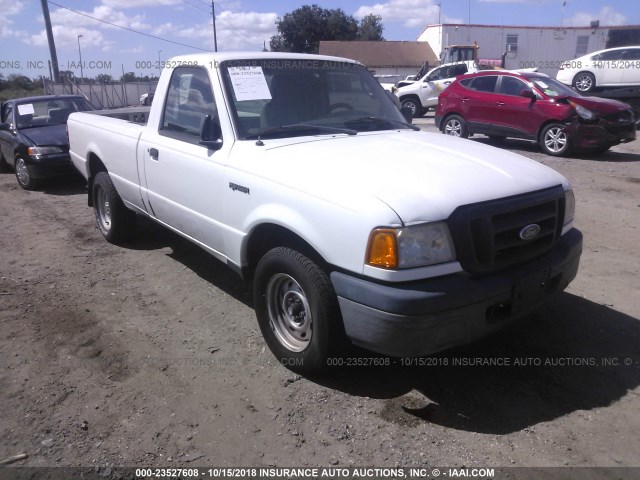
94	166
269	235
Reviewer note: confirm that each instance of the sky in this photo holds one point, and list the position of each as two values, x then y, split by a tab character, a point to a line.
166	28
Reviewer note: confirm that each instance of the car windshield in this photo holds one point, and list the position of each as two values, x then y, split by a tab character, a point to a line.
53	111
285	98
553	88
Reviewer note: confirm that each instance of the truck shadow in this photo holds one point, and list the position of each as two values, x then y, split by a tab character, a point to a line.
64	186
569	356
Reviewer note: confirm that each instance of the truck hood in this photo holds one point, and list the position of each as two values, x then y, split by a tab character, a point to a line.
421	176
51	135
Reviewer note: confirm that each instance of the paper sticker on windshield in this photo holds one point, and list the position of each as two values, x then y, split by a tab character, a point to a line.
249	83
542	84
26	109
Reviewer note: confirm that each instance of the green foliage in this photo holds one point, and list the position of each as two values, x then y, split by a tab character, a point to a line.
370	28
302	30
18	86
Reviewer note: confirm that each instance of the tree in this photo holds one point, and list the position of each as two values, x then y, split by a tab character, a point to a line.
129	77
370	27
303	29
104	78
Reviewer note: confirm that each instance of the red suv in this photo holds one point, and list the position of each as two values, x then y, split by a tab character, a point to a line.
533	106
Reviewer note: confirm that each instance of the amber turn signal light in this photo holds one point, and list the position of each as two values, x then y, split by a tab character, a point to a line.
382	250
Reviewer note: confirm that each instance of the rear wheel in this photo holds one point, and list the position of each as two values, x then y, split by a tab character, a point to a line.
554	140
584	82
455	126
24	178
297	310
414	105
115	221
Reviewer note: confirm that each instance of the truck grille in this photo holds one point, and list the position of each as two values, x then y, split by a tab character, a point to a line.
488	235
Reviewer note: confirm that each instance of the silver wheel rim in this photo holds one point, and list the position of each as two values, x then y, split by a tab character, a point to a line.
21	172
555	139
453	127
104	209
411	105
289	312
583	83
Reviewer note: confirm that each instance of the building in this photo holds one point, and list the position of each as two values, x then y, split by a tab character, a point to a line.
384	58
527	47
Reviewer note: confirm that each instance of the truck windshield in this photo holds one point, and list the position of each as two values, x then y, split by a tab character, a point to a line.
306	97
48	111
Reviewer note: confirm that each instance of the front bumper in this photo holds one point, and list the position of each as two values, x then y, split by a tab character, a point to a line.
46	166
602	134
424	317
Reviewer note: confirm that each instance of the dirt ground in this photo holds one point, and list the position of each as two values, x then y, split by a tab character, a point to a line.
150	355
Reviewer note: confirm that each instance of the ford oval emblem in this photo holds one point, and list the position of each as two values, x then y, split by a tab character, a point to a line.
530	232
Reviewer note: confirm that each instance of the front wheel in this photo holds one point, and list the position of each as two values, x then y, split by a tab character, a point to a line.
455	126
414	105
297	310
115	221
23	176
554	140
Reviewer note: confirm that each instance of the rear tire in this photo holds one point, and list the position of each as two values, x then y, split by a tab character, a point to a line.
455	126
297	310
584	82
115	221
554	140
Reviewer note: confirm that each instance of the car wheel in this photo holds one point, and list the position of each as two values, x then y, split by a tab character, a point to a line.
115	221
554	140
584	82
414	105
297	310
25	180
455	126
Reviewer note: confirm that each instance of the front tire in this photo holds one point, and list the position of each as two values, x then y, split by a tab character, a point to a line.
455	126
24	178
115	221
584	82
554	140
297	310
414	105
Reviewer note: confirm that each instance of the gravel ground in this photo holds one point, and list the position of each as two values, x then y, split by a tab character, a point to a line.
150	355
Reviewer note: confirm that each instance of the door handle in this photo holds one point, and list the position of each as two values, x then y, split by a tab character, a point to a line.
153	153
500	104
447	83
465	99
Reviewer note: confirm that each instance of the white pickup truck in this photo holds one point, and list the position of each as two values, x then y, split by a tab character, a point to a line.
300	173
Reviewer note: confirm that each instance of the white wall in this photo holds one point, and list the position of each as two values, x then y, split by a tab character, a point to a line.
544	48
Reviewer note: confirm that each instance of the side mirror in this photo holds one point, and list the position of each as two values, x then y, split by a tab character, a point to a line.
528	94
5	127
407	113
207	135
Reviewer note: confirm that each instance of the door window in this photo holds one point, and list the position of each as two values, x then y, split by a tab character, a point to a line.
190	106
511	86
486	83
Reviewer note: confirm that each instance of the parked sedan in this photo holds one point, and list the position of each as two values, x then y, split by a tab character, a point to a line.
533	106
614	67
33	136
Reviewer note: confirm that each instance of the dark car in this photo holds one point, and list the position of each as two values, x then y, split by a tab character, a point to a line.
33	136
533	106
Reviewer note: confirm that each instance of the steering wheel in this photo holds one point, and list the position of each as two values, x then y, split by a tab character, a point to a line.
338	105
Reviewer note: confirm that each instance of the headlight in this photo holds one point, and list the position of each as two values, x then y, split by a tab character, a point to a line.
410	247
36	151
569	207
582	112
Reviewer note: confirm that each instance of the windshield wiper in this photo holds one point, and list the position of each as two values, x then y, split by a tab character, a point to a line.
372	119
302	127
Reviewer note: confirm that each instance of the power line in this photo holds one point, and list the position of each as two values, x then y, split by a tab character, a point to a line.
196	7
128	29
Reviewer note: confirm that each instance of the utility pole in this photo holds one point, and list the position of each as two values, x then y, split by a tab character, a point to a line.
215	37
80	55
52	44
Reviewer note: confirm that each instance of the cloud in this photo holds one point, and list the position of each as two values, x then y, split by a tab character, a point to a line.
68	18
235	31
412	13
8	8
607	16
139	3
